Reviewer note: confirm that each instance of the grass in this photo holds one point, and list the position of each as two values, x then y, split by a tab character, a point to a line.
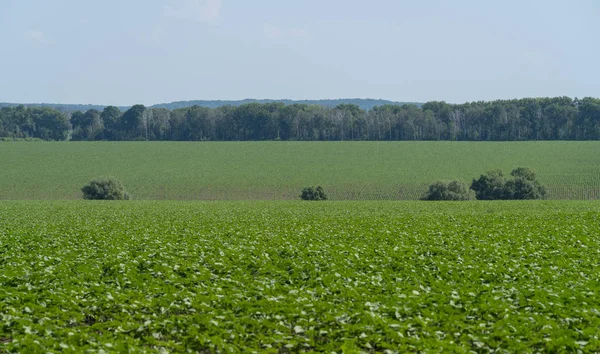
281	277
279	170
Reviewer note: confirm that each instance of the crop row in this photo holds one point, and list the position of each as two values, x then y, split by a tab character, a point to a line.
280	170
299	277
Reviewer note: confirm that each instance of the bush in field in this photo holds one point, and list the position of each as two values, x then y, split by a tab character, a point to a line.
490	186
105	188
311	193
523	185
448	190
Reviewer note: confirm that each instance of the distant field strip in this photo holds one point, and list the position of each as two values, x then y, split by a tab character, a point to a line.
279	170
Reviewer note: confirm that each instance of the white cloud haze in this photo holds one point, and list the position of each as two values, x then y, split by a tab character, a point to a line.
198	10
273	32
37	36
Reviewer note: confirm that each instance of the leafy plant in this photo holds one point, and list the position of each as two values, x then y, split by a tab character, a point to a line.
289	277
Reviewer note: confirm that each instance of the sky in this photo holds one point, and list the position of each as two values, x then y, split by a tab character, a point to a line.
154	51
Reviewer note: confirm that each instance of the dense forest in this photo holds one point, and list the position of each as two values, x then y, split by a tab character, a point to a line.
560	118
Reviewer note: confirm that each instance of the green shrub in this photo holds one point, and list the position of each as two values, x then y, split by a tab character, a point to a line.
105	188
523	172
490	186
523	185
448	190
311	193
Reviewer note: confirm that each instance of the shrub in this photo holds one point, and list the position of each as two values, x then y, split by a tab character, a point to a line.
523	172
490	186
105	188
448	190
311	193
523	185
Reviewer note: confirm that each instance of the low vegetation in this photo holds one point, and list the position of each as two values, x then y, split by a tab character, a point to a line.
279	170
281	277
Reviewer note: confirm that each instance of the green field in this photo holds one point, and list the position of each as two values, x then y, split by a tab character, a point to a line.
279	170
288	277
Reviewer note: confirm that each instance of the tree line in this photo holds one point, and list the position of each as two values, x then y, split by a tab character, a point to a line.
559	118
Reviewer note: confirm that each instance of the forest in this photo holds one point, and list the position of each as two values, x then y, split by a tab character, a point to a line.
559	118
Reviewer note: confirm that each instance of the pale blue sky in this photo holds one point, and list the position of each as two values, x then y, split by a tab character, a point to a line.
150	51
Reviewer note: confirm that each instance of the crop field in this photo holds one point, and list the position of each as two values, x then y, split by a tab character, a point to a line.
279	170
286	277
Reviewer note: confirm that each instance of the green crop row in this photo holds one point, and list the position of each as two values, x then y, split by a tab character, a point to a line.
277	277
279	170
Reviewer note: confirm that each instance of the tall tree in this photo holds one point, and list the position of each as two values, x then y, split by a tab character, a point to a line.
133	123
111	117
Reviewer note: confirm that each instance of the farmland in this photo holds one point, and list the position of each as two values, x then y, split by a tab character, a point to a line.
280	276
279	170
